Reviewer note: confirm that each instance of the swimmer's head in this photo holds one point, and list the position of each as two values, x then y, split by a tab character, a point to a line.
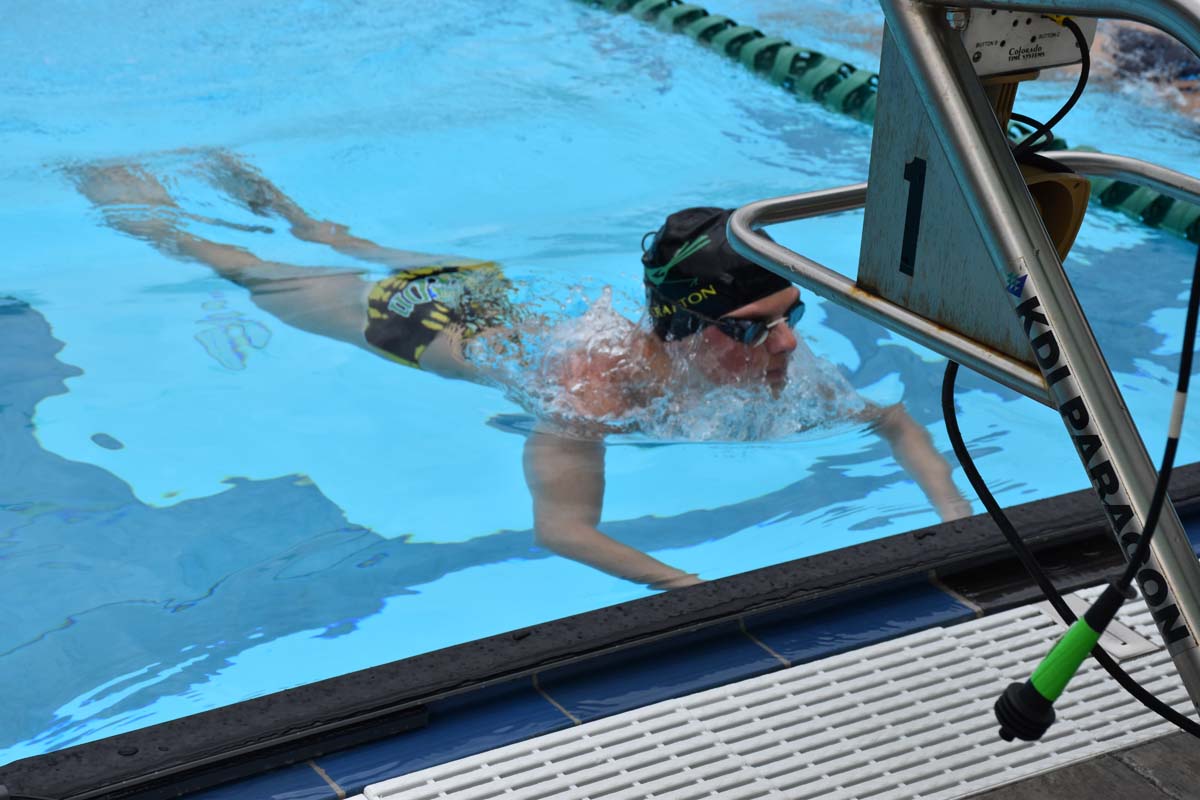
692	275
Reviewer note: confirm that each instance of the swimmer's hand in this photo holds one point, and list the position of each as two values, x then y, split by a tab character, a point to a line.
675	581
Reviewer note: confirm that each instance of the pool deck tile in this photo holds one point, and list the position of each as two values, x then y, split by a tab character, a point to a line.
855	620
458	727
633	678
297	782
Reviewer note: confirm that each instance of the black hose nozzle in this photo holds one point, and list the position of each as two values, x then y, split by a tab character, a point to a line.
1026	710
1023	713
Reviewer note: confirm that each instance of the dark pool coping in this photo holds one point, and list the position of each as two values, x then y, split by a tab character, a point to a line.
954	570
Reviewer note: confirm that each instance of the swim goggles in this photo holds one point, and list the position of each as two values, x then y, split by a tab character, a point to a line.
752	332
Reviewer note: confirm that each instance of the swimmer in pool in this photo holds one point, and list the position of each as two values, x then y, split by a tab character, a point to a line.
716	319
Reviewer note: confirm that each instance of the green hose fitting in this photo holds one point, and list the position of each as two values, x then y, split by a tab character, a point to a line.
1061	663
848	90
1026	710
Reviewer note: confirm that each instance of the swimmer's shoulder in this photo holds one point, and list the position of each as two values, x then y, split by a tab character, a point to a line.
608	385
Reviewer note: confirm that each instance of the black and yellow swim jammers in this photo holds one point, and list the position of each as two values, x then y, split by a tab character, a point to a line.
407	310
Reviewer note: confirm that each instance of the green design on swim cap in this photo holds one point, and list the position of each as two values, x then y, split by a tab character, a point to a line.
657	275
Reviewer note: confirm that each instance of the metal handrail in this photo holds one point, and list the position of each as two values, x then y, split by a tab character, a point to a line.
834	286
1141	173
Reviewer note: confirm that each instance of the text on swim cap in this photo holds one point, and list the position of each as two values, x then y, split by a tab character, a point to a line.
693	298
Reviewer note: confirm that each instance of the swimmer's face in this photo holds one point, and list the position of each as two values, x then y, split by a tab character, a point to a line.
724	361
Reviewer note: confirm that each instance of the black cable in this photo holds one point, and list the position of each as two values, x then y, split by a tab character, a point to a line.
1036	128
1027	558
1044	130
989	502
1142	551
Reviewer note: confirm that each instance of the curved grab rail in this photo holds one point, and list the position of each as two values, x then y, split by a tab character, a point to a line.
1165	181
836	287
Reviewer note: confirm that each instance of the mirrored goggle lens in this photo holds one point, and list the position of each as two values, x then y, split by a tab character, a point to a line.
795	313
745	331
755	332
759	332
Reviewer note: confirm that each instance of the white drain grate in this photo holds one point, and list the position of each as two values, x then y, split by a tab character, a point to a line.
909	718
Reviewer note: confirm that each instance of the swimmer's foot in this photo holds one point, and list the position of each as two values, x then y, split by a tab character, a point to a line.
120	185
248	187
252	190
132	200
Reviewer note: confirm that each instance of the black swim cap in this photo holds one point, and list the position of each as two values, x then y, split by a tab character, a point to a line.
689	266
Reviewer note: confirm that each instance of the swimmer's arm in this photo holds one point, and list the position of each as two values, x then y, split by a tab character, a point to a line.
914	450
566	479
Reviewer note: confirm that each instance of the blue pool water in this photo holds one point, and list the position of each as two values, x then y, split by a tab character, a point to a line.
201	505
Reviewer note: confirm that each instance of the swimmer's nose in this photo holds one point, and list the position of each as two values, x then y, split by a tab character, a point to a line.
781	340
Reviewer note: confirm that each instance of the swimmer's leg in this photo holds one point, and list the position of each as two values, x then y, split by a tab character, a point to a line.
249	187
326	301
913	449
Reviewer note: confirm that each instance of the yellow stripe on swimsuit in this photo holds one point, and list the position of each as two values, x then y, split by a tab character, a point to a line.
408	309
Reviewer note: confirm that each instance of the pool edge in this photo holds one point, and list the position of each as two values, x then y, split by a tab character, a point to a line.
295	725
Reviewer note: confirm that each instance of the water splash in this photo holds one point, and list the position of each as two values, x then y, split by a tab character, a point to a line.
816	398
596	372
